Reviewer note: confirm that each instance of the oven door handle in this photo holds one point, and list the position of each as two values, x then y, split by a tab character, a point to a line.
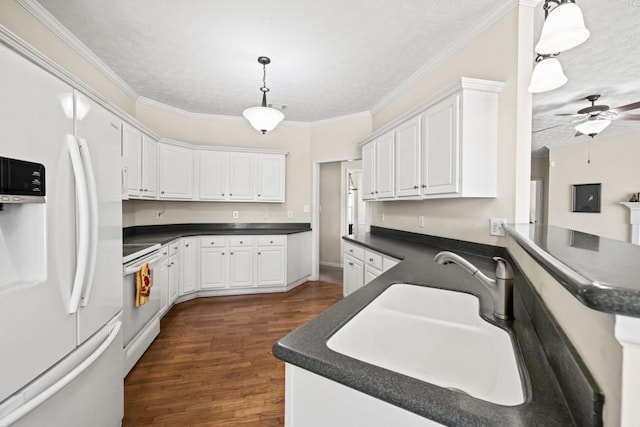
131	269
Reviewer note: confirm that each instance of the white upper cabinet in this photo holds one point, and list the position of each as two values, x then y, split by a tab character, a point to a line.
149	167
242	176
407	159
368	171
176	172
385	166
271	177
132	151
214	175
447	147
440	148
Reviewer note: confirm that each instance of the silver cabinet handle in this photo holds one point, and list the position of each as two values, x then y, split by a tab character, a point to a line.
222	253
424	185
415	187
350	263
222	194
186	244
230	253
272	242
259	253
370	259
162	192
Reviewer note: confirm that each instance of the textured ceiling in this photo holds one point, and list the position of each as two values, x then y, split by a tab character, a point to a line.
608	63
334	57
329	58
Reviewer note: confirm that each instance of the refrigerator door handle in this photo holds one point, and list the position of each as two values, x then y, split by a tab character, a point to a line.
82	199
94	220
37	400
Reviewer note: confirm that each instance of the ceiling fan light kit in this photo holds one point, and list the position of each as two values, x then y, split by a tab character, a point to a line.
547	75
592	127
563	29
263	118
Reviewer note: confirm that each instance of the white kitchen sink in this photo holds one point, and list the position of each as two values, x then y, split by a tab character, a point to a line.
436	336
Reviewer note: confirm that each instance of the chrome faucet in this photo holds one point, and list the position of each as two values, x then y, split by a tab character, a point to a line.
501	288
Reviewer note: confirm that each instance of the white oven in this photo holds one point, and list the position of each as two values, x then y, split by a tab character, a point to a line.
140	324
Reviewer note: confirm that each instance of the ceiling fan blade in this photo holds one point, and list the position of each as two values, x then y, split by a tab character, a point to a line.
579	133
550	127
569	114
626	117
627	107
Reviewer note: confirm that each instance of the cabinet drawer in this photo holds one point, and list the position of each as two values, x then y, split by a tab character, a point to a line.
174	247
354	250
388	262
373	258
272	240
213	242
240	240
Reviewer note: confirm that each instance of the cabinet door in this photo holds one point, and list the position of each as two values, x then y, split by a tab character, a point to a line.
271	177
370	273
176	172
352	275
369	171
213	267
407	161
242	176
214	175
271	266
241	267
132	150
189	265
174	277
385	166
149	167
440	148
162	281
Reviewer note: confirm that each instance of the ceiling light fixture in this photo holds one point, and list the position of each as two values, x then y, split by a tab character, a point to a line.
547	75
563	27
593	126
263	118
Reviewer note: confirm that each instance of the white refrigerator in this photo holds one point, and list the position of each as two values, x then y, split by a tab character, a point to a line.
60	261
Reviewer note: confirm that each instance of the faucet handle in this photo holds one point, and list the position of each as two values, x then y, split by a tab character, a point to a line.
503	269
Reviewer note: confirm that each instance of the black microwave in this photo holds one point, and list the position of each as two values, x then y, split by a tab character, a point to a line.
21	181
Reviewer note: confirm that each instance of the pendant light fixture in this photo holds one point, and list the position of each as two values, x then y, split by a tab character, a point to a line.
263	118
547	75
563	29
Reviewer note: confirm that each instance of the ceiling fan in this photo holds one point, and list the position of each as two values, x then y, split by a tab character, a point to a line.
594	119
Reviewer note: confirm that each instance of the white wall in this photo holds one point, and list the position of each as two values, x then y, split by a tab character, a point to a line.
330	213
540	169
614	164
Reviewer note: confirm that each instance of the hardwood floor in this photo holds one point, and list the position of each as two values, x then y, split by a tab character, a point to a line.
212	365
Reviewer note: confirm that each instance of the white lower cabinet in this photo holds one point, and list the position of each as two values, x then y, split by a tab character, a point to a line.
175	278
189	264
161	280
362	265
271	260
241	261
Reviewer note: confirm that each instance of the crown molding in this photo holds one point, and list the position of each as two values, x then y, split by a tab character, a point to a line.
40	13
333	120
530	3
488	20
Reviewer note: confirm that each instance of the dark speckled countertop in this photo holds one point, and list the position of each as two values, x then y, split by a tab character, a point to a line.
603	274
306	346
164	234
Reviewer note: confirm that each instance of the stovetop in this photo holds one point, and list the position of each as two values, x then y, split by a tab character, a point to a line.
131	251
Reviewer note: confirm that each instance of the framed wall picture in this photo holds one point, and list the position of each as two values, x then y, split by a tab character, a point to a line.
586	198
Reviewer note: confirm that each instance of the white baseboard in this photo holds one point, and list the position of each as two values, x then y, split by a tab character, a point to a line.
330	264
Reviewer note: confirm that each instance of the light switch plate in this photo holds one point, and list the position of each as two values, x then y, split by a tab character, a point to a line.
496	227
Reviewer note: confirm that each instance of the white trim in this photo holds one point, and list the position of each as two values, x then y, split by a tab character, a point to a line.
437	60
333	120
330	264
203	147
43	15
530	3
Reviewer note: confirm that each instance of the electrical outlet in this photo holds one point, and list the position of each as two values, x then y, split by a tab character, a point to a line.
497	227
289	214
235	214
421	221
306	208
382	217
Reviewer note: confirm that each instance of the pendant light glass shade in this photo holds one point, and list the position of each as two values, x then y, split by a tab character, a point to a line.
547	75
562	30
263	119
593	127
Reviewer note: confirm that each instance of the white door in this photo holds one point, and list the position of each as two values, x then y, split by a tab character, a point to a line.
132	150
385	166
189	265
103	300
214	179
37	241
407	161
271	266
176	171
149	167
271	177
242	176
213	267
440	148
369	171
241	267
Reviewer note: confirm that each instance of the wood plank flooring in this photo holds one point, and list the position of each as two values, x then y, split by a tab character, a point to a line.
212	365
